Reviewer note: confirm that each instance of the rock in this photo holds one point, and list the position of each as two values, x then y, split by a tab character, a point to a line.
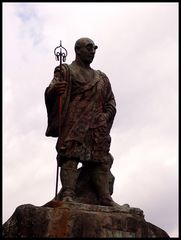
60	219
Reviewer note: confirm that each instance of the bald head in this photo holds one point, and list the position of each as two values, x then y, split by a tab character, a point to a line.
85	50
82	42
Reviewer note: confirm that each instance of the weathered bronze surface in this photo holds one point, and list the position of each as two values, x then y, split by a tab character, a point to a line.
83	128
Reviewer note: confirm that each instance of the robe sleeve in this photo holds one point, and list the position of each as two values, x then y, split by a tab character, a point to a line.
52	104
109	101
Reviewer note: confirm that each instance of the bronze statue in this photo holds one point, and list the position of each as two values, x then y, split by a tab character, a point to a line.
88	112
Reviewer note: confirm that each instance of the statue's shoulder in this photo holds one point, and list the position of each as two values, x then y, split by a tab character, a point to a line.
102	75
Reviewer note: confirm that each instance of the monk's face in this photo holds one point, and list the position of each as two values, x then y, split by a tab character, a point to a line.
86	50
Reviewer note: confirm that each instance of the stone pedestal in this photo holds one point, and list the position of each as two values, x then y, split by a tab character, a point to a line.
59	219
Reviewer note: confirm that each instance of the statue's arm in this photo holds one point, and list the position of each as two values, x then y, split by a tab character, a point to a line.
110	104
56	87
109	101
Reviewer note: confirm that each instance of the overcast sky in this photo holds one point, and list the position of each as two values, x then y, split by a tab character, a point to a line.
138	51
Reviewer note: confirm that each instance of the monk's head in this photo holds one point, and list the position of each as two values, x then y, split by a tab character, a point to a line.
85	50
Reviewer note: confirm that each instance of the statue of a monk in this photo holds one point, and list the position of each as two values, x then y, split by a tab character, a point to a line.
87	116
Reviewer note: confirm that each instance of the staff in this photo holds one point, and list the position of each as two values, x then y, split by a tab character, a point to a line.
60	56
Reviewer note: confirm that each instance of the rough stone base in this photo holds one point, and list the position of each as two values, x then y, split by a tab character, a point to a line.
58	219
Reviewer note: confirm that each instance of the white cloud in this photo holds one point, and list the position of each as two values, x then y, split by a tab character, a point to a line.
145	168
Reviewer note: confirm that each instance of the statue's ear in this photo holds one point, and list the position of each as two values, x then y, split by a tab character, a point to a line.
77	49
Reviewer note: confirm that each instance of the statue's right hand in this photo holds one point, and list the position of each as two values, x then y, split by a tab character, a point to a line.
59	87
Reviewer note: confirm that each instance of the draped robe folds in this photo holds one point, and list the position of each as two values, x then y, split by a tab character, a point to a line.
88	112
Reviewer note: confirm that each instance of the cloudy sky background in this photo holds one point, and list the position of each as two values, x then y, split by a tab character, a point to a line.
138	50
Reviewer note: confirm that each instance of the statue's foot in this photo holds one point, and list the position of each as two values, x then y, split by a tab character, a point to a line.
68	196
67	199
106	200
